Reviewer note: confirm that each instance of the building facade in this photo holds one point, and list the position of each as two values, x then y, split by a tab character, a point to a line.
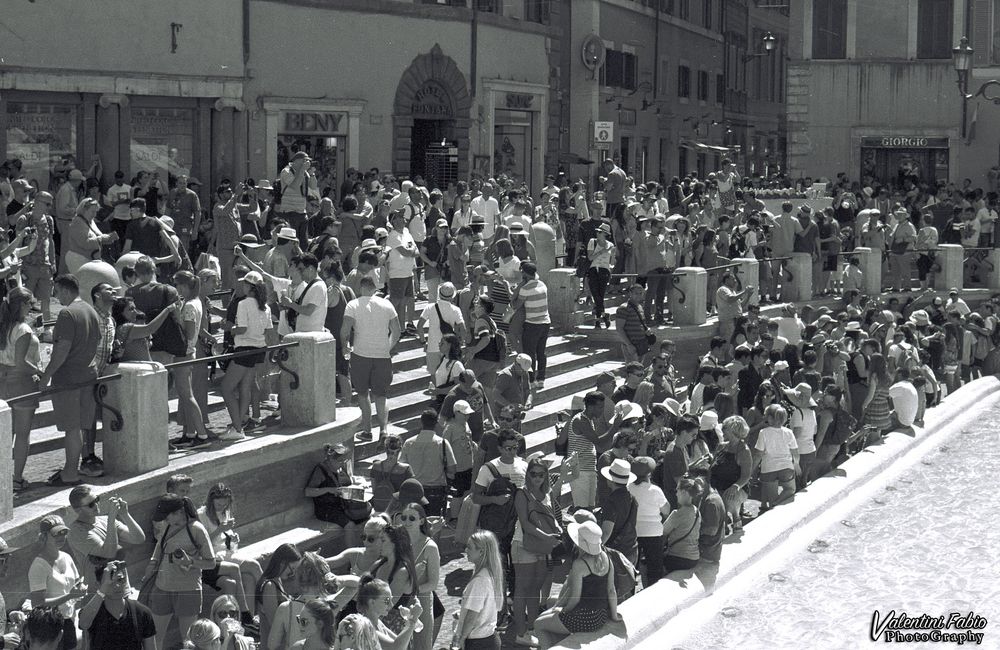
892	111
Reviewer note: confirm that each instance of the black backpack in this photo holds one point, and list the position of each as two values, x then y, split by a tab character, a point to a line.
495	518
446	327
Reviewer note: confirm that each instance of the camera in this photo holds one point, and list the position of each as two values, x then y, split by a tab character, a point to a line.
116	569
178	554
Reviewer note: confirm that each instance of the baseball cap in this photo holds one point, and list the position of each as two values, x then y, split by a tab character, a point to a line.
523	360
52	525
461	406
253	277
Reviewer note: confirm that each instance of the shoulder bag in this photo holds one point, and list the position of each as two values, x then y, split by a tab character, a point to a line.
541	517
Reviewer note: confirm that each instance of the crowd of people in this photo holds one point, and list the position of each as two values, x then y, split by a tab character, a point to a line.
660	466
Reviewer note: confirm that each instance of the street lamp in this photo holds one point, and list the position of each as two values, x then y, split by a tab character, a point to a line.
769	44
961	58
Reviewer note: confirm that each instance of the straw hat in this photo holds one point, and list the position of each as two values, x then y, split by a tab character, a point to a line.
587	536
801	395
619	472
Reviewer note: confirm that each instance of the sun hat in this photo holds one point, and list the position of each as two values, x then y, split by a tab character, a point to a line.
672	405
587	536
523	361
253	277
517	226
249	240
781	364
380	233
604	378
709	420
52	525
76	175
411	491
801	395
478	220
628	410
288	233
263	184
619	472
643	466
446	290
463	407
853	326
605	228
441	223
920	318
824	319
367	244
299	155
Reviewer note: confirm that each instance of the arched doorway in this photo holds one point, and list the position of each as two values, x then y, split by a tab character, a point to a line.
431	120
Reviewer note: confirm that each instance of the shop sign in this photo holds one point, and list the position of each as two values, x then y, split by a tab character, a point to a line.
432	100
303	122
520	101
905	142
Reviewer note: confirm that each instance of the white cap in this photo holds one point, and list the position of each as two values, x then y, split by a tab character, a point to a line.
461	406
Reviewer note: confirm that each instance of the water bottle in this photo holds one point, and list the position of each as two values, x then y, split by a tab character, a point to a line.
455	645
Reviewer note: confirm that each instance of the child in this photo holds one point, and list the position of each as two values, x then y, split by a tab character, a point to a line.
854	278
778	455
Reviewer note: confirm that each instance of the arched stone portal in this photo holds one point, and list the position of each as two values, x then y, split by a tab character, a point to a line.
432	106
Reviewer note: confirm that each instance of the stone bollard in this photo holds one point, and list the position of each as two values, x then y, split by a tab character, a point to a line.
562	285
800	288
993	269
544	239
951	259
140	395
871	268
6	463
313	403
748	272
92	274
690	284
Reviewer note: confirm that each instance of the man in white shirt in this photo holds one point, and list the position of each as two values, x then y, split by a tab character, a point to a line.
305	302
117	198
402	261
489	209
296	181
369	333
432	314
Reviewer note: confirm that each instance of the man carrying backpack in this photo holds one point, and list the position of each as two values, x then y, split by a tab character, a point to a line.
494	490
441	317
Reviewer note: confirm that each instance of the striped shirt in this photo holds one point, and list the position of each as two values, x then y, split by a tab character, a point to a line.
536	302
578	443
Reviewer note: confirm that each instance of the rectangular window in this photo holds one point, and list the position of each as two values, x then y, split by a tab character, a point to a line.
43	138
538	11
683	81
934	29
619	70
162	141
702	86
720	88
706	13
664	76
829	29
684	9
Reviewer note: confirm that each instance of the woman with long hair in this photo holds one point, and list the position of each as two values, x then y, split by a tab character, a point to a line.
733	467
202	634
481	355
508	264
388	475
375	602
271	592
767	394
318	625
657	433
876	404
601	252
359	559
338	295
253	320
53	578
533	506
397	567
131	336
483	596
448	369
19	372
356	632
231	576
314	581
226	614
192	313
427	563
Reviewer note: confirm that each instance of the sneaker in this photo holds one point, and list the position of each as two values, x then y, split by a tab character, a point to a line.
526	639
92	466
232	433
364	436
181	443
252	423
200	443
56	480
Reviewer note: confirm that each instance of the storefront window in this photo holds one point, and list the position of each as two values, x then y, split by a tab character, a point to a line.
162	142
326	153
512	134
43	137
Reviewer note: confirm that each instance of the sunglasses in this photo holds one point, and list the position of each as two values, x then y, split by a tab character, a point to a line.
302	620
229	613
92	504
409	518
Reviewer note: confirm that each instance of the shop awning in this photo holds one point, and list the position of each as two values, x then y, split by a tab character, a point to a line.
707	148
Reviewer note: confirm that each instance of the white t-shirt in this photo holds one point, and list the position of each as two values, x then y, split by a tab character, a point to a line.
118	197
372	316
401	266
192	311
55	580
480	601
649	498
904	402
257	322
806	438
488	209
316	295
515	472
452	315
777	444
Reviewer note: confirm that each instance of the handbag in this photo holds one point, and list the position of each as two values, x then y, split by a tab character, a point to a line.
543	519
146	590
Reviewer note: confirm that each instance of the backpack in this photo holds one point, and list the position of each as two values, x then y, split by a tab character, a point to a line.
277	191
495	518
496	349
626	575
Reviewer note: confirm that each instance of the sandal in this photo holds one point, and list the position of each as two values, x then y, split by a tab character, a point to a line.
20	485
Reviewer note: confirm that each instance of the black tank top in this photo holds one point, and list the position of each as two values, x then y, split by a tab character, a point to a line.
852	370
726	471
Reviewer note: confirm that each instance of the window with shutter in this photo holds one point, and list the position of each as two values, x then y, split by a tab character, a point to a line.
934	29
683	81
702	86
983	15
720	88
829	29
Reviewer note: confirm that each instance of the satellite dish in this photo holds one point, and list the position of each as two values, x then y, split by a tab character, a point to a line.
593	52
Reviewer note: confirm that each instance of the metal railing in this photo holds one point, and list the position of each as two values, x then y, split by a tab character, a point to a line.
100	392
278	354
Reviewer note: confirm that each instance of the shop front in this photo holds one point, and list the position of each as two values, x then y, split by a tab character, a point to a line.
327	131
45	132
892	160
516	142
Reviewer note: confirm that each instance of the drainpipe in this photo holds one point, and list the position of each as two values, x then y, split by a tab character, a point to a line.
656	55
246	32
473	47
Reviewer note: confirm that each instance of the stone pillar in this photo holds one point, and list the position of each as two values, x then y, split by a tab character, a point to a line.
749	275
800	288
562	285
6	463
544	239
94	273
993	269
141	396
689	284
951	258
314	359
871	269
